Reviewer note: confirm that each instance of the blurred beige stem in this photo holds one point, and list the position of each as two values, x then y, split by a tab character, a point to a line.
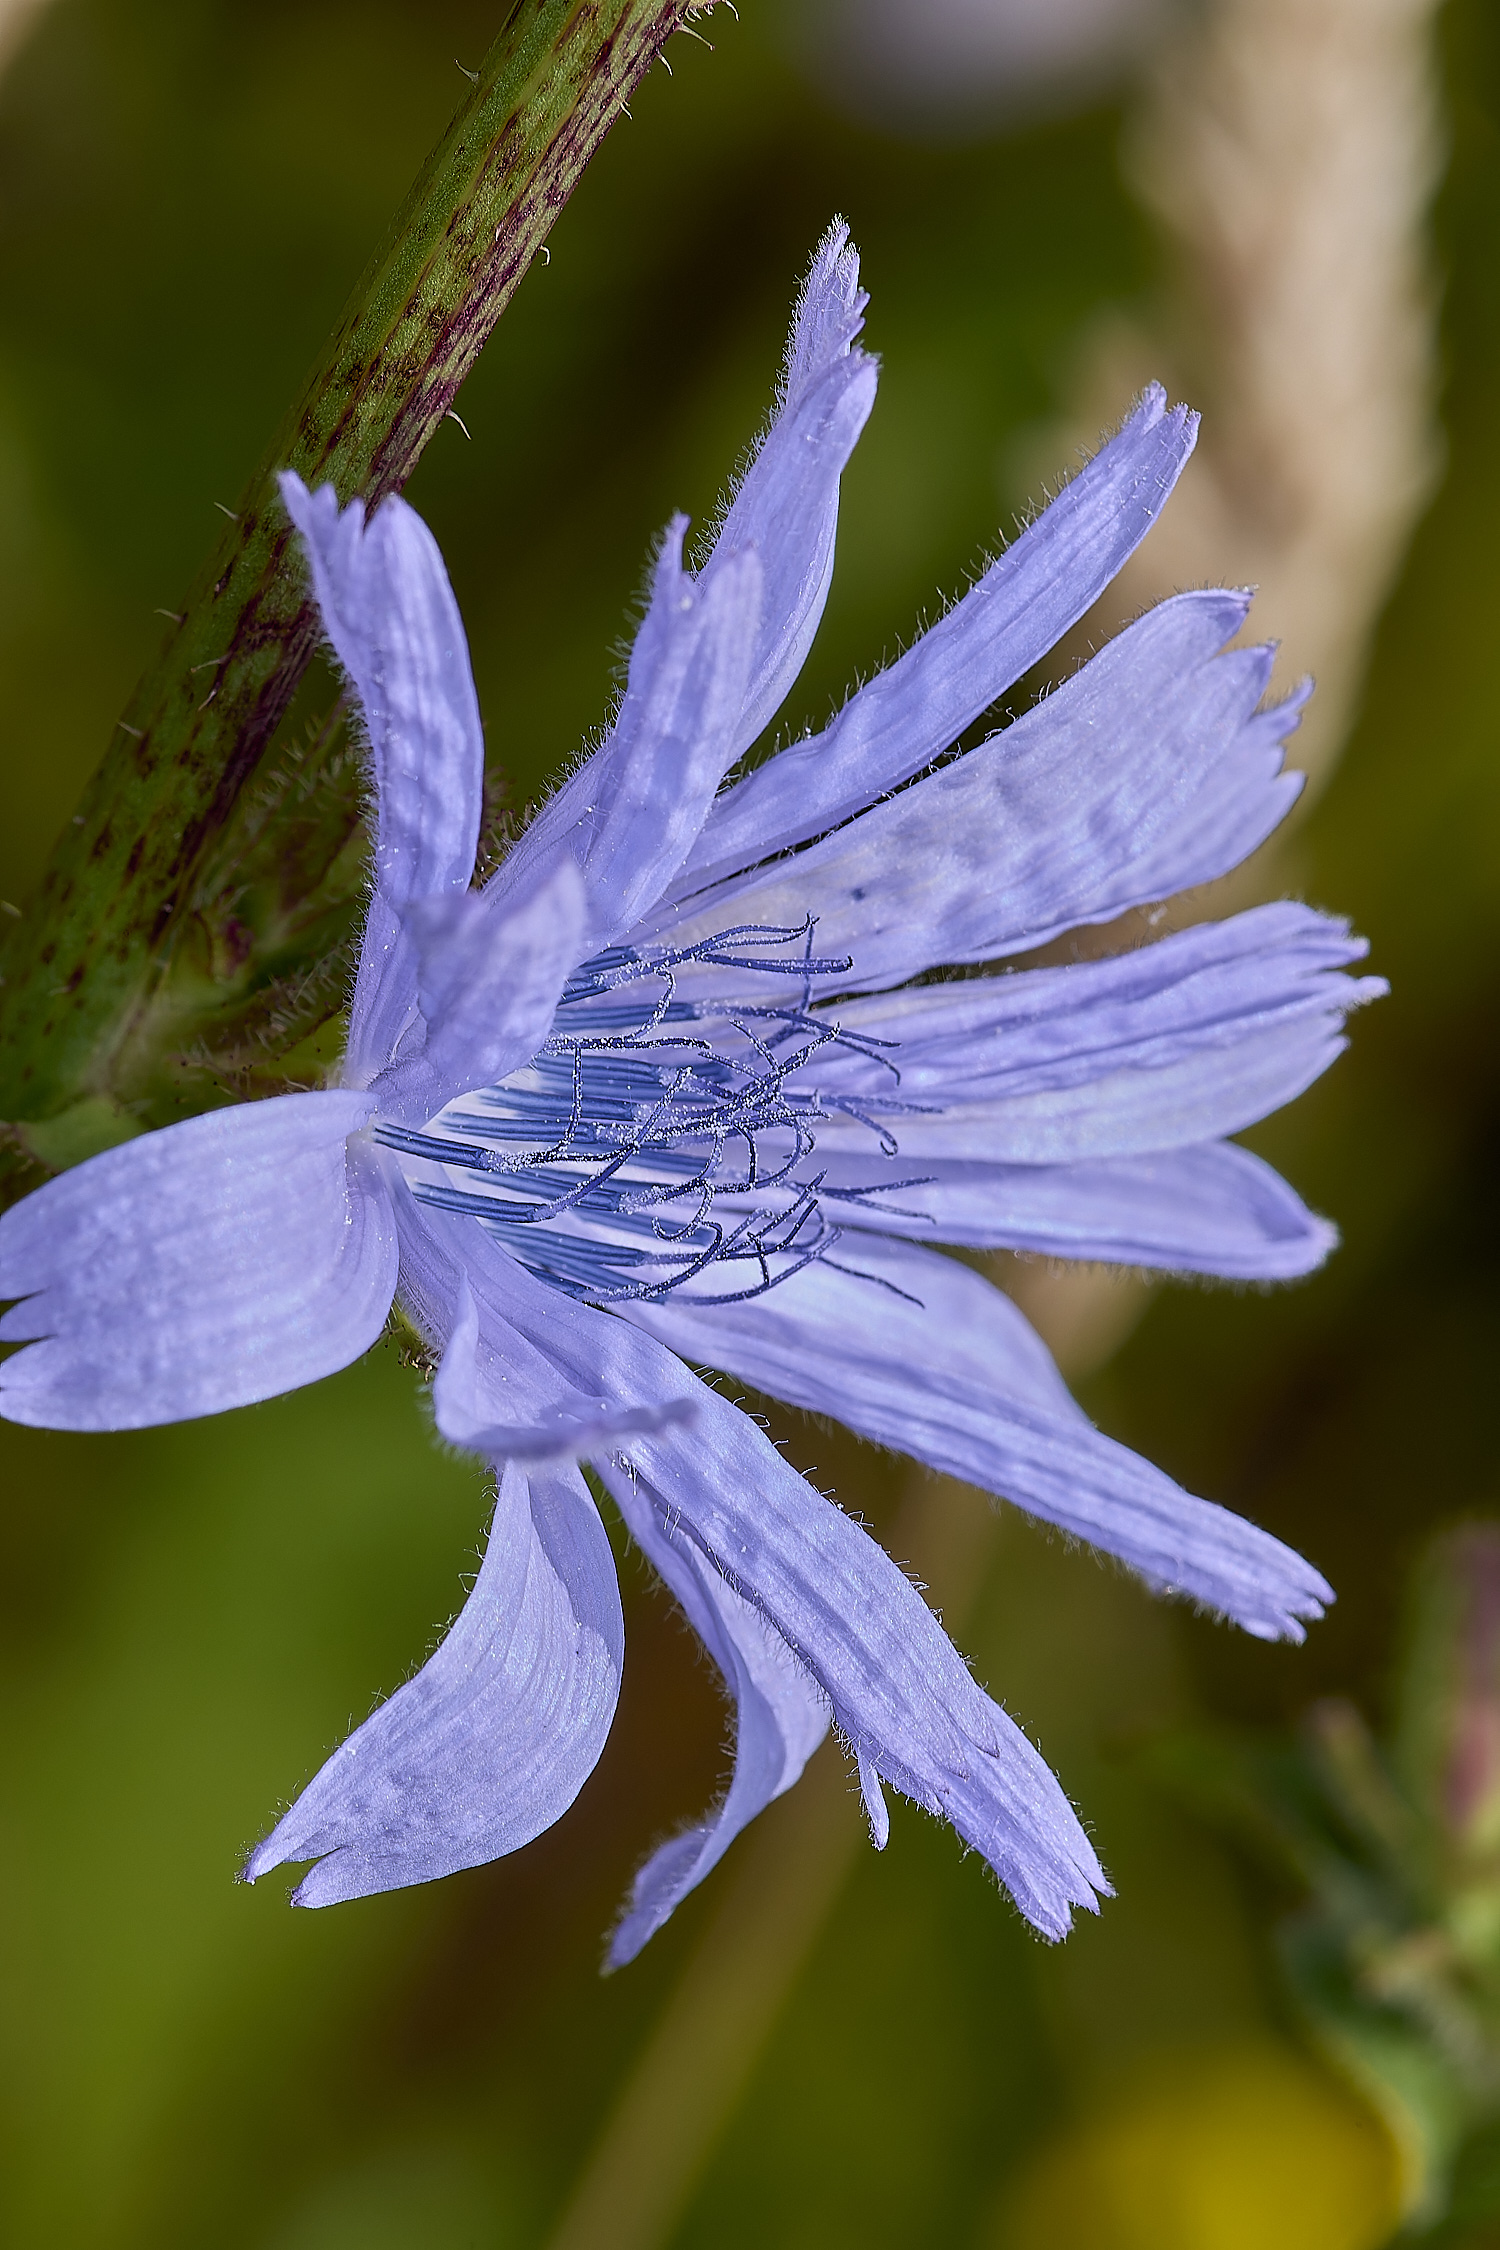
15	21
1288	150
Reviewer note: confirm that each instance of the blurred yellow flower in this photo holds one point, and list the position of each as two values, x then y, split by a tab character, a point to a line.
1243	2148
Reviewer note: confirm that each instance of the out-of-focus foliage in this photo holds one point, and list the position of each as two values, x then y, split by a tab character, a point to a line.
1394	1955
191	1617
1233	2150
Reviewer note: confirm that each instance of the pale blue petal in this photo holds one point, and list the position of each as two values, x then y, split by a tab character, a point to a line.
494	1738
898	1689
384	1018
1151	770
217	1262
490	971
922	1354
786	504
585	1386
1183	1041
1215	1209
389	611
915	709
628	816
1141	1109
523	1353
498	1392
830	314
780	1716
900	1693
494	1394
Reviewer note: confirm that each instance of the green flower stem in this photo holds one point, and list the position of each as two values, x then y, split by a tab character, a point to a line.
82	965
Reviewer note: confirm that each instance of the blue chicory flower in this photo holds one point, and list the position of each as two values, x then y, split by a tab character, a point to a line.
673	1088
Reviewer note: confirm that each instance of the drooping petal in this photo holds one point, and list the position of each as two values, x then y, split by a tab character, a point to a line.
216	1262
899	1691
389	611
786	504
1150	771
490	971
920	1353
915	709
898	1688
1213	1209
493	1739
780	1717
498	1393
628	816
1183	1041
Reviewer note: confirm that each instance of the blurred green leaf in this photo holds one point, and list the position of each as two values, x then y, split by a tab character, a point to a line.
1394	1959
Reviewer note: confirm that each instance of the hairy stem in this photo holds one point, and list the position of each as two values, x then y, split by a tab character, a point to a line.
93	944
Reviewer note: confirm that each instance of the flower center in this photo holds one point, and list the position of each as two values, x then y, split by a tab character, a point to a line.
665	1129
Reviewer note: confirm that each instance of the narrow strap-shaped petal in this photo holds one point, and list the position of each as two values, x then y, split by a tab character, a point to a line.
497	1393
900	1693
1207	1090
628	816
911	712
490	971
919	1353
1183	1041
389	611
786	504
1151	770
493	1739
780	1717
214	1263
1213	1209
898	1688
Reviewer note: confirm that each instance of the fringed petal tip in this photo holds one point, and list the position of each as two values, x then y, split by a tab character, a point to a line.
289	1842
316	514
830	311
1287	709
1293	1622
1046	1893
1051	1924
492	1740
391	617
1151	408
261	1860
320	1886
1275	1600
213	1264
1267	1612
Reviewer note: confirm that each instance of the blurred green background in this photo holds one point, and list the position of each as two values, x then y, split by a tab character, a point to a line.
192	1617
